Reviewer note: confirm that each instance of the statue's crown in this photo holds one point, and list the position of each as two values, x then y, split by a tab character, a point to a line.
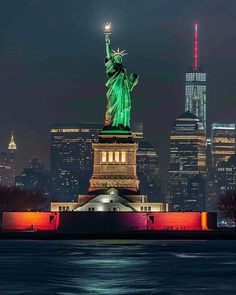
118	52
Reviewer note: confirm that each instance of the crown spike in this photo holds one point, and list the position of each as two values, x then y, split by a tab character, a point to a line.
118	52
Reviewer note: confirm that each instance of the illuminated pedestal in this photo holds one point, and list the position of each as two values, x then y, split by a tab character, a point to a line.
114	164
114	185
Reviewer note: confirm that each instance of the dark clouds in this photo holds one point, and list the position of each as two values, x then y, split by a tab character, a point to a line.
51	63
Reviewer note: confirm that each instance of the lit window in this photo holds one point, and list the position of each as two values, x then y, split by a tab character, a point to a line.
123	156
110	156
117	157
104	157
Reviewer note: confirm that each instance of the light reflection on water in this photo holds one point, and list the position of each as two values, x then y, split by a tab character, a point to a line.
117	267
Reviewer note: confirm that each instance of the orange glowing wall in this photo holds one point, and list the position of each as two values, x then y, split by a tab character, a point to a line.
108	221
177	221
30	220
204	220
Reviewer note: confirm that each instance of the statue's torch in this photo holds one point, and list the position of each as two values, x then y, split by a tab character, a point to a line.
107	29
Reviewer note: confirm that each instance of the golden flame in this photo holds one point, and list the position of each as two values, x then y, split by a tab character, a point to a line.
108	27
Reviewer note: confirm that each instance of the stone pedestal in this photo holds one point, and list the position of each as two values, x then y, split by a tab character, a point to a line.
114	164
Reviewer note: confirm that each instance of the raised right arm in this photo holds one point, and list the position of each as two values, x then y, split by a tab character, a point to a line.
108	46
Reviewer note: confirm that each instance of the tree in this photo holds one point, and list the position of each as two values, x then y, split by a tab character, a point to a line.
15	199
227	204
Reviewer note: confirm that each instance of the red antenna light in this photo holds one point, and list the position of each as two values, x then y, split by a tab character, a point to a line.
195	53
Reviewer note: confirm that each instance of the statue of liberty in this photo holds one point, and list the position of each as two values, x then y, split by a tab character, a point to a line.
119	86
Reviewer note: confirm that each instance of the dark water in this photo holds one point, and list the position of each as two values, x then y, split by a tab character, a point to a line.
117	267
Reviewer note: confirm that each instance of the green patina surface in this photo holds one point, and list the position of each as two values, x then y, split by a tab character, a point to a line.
119	86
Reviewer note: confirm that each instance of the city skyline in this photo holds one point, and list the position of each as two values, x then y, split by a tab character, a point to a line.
163	85
117	146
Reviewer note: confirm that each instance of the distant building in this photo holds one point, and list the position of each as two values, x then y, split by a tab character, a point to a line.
195	86
187	172
226	175
148	171
8	165
6	173
35	178
210	193
72	156
222	142
221	148
224	179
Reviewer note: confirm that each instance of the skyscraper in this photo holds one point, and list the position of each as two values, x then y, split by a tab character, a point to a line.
224	179
12	157
195	86
187	172
226	175
221	149
72	157
8	165
222	142
148	171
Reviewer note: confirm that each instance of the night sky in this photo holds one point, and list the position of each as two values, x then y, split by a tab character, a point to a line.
52	70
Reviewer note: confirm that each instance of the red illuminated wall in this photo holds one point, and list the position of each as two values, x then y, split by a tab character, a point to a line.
30	220
90	222
175	221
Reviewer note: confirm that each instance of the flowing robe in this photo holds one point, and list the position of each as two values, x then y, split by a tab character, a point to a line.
118	94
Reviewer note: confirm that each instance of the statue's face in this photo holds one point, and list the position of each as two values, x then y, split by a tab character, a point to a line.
117	59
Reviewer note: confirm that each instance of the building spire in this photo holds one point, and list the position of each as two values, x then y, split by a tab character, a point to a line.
12	144
196	48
